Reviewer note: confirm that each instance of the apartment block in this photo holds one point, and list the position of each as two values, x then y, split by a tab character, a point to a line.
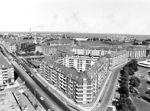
6	71
136	52
48	50
79	86
118	58
101	51
80	63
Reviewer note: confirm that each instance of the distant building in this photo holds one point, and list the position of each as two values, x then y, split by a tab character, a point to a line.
48	50
9	45
81	87
94	51
6	71
118	58
81	39
38	48
136	52
80	63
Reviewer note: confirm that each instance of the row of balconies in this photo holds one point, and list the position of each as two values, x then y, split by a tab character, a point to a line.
84	101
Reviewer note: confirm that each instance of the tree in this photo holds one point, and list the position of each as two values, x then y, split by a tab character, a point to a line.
145	43
123	90
124	73
134	81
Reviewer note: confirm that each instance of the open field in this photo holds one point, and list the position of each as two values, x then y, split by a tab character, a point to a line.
140	104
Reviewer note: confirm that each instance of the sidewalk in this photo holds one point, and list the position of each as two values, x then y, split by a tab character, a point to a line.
71	102
102	92
23	101
113	91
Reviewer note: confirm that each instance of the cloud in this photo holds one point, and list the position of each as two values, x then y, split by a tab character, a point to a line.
99	16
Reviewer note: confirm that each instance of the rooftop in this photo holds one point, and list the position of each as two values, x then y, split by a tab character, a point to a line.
69	72
8	102
116	54
74	74
96	67
4	63
61	41
98	48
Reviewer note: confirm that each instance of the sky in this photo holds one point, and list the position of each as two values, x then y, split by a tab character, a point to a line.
92	16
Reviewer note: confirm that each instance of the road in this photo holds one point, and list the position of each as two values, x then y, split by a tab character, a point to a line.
48	100
109	91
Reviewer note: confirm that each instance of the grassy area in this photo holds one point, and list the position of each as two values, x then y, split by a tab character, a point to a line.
141	105
143	88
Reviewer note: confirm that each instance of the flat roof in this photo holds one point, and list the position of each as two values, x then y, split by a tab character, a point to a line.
4	63
8	102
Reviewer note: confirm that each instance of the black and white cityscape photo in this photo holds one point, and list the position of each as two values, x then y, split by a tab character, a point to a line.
74	55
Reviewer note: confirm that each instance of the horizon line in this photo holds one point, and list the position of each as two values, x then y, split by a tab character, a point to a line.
72	32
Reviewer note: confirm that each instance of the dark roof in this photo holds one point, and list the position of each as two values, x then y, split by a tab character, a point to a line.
4	63
91	72
69	72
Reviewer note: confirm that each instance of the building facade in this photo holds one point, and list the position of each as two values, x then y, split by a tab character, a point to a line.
94	52
136	52
79	86
118	58
80	63
6	71
48	50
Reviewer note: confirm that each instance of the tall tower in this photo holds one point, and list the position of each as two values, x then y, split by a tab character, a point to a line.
35	38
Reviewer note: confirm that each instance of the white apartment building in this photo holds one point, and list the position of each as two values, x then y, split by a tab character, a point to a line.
79	86
136	52
80	63
6	71
94	52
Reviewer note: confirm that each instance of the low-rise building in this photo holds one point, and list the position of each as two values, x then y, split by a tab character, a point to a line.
79	86
6	71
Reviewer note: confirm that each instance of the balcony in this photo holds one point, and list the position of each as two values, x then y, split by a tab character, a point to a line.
79	92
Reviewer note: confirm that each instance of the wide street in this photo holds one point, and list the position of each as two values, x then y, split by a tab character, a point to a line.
109	91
